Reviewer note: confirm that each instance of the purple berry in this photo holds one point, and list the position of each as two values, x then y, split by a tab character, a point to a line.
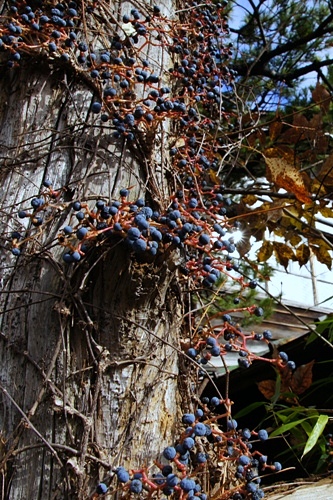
187	484
263	435
188	443
204	239
188	418
76	256
76	206
267	334
244	460
101	489
122	475
283	356
81	233
136	486
191	352
172	480
96	107
201	458
291	365
199	429
169	453
215	351
232	424
246	434
67	229
133	233
139	245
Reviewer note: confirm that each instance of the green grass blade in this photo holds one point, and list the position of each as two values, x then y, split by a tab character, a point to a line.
316	433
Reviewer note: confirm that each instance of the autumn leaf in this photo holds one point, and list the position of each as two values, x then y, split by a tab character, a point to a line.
296	383
243	246
302	378
283	253
214	177
294	239
267	388
285	175
321	96
326	212
275	129
265	251
297	130
322	254
302	254
325	174
249	199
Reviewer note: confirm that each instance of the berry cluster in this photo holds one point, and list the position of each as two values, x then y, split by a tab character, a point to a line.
130	94
227	337
201	446
128	89
132	99
186	224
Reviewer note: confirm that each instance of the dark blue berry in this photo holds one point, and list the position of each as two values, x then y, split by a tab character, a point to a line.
122	475
169	452
101	489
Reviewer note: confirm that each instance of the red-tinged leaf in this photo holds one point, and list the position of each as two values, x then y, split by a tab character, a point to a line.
302	254
267	388
285	175
302	378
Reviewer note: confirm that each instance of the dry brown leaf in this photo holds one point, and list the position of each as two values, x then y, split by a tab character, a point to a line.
265	251
267	388
302	254
302	378
275	129
325	175
286	176
283	253
214	177
321	96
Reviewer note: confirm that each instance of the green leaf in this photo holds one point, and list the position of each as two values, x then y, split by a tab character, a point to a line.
249	408
286	427
316	433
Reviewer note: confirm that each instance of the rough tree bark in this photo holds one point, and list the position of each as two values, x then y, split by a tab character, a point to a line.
88	373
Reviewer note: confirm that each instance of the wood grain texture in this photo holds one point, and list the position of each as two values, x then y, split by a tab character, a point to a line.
86	354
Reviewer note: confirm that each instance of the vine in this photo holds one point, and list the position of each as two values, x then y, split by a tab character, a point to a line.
139	101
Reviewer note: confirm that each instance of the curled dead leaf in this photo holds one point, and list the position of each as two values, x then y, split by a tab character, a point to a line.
285	175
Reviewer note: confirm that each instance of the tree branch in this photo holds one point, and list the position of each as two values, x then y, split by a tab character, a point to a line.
245	70
257	66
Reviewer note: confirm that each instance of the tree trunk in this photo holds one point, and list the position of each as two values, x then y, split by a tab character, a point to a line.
89	361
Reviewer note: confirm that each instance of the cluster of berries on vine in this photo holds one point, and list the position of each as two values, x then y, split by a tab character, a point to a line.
201	446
